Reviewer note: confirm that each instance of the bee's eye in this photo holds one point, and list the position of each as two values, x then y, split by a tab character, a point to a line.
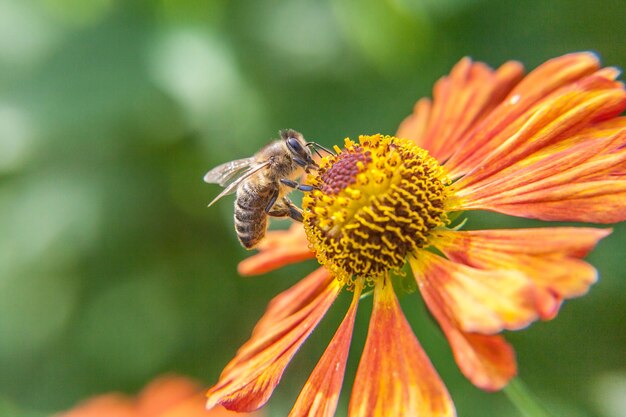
295	146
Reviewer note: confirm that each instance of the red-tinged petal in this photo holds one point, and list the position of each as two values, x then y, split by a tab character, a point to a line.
249	379
461	99
488	361
554	119
595	153
570	241
395	377
550	257
480	301
590	201
222	412
507	118
190	408
556	73
607	131
588	173
277	249
293	299
319	396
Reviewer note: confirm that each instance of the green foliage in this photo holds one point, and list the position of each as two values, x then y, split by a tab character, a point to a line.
112	269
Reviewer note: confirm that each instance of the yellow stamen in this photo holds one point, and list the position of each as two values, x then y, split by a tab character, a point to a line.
376	201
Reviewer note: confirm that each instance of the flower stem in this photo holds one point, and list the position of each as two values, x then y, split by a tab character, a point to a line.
523	400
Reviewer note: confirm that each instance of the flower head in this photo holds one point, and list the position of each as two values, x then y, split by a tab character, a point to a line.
548	146
375	202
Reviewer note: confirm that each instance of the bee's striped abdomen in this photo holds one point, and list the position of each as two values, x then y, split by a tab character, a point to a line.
250	216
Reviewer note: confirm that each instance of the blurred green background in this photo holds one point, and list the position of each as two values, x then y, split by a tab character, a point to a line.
112	269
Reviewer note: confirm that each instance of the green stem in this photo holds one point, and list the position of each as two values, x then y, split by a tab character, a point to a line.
523	400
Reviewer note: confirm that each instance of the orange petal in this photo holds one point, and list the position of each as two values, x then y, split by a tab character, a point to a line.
554	119
168	396
250	378
190	408
480	301
550	257
277	249
415	126
594	153
167	392
293	299
555	73
558	158
487	361
108	405
222	412
395	377
507	118
593	201
321	391
570	241
461	99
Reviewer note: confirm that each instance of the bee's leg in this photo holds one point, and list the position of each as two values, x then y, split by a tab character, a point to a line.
286	208
276	209
294	211
293	184
272	202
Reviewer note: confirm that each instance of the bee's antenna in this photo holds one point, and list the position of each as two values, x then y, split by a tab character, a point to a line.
317	152
317	146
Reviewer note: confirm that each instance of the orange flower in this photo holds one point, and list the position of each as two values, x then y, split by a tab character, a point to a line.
169	396
548	146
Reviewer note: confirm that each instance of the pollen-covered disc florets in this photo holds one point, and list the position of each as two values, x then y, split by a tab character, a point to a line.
375	201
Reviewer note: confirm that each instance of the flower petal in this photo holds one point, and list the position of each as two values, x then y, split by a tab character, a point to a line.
586	188
415	126
506	119
277	249
461	99
480	301
550	257
591	154
395	377
555	118
250	378
488	361
558	158
293	299
107	405
169	395
594	202
321	392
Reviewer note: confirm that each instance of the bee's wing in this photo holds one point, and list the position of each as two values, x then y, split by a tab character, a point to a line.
221	174
230	188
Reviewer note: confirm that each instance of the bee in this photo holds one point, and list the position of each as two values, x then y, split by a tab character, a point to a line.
262	183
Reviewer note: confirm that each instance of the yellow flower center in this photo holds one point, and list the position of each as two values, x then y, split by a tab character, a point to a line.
375	202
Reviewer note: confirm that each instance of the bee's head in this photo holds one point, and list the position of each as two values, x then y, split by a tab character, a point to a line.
300	152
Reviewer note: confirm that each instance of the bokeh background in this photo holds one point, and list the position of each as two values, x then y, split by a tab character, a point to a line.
112	269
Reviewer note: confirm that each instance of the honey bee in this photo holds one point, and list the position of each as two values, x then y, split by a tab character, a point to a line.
262	183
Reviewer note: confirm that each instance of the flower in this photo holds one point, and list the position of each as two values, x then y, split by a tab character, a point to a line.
167	396
548	146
